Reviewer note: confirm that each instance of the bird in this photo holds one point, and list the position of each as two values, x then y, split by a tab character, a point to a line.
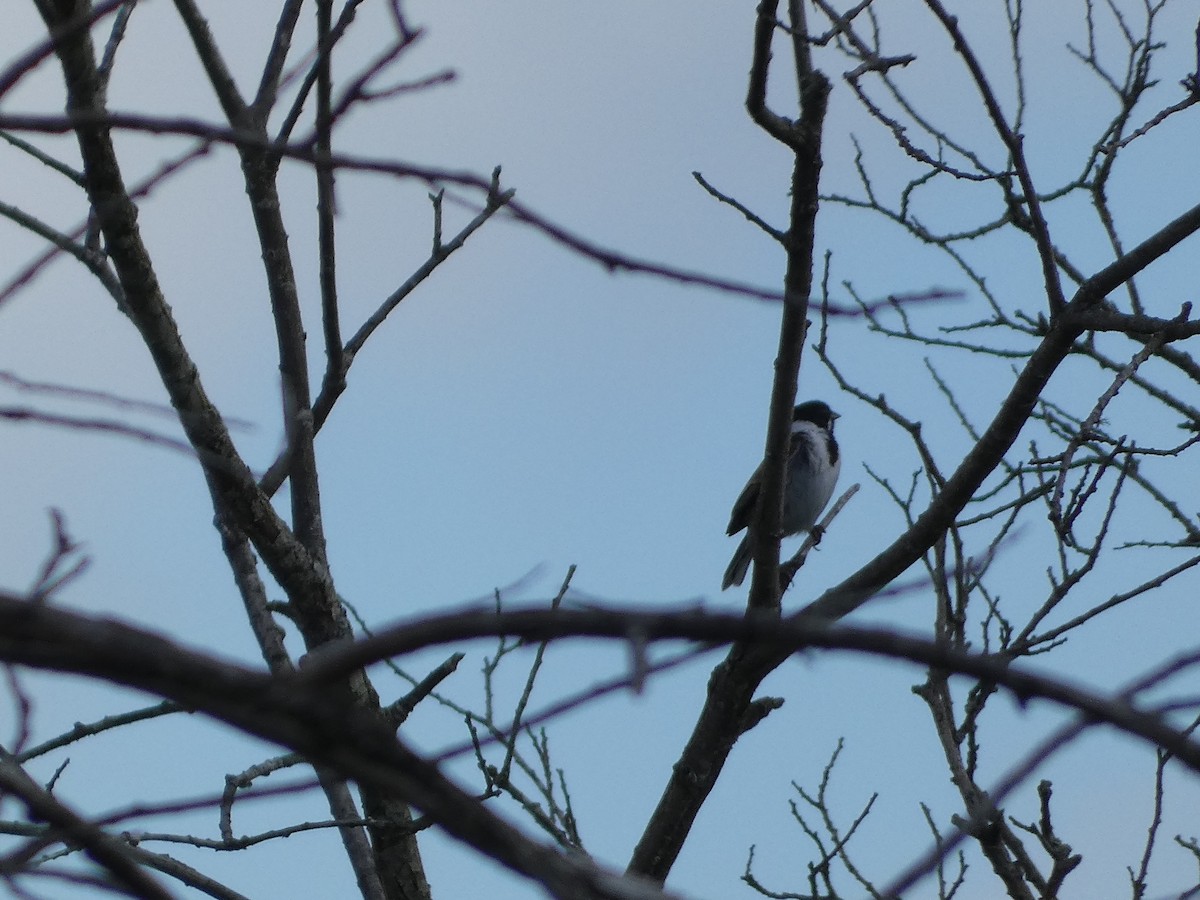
813	466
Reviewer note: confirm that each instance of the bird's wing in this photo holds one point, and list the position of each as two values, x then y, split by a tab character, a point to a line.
743	507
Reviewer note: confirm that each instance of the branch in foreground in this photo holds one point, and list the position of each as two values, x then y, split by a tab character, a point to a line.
311	718
105	850
791	635
305	709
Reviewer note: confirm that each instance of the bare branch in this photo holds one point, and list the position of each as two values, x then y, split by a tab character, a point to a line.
68	826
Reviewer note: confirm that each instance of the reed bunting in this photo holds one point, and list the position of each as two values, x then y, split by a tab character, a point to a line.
812	471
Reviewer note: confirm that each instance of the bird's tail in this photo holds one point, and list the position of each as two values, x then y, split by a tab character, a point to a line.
736	573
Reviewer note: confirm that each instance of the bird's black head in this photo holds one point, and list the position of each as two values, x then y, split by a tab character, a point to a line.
816	412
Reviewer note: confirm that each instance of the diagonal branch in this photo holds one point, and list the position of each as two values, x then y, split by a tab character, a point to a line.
67	26
230	480
1015	145
69	827
335	380
988	452
210	56
314	720
268	85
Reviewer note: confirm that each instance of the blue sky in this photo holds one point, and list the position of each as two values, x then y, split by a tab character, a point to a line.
525	411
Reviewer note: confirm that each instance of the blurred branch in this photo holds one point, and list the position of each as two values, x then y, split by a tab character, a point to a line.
760	629
107	852
310	716
306	711
68	27
106	426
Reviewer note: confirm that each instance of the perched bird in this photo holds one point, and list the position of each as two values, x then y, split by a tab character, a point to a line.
812	471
